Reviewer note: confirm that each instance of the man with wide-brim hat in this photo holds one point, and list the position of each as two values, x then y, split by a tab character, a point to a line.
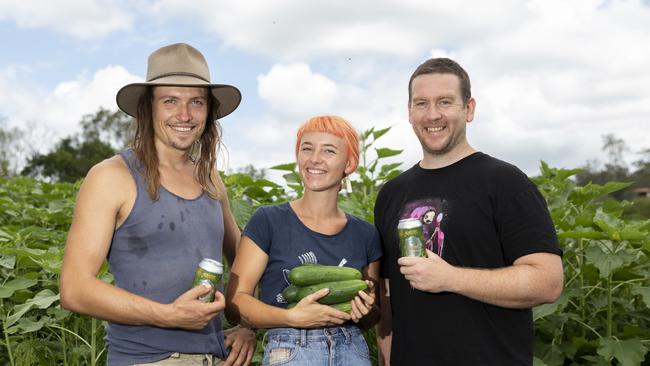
179	65
154	212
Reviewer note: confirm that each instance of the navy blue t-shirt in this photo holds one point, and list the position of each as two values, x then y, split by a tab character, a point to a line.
289	243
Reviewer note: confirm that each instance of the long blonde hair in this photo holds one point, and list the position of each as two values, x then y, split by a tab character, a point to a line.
204	154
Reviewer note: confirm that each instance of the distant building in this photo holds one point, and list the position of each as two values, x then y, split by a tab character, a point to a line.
642	192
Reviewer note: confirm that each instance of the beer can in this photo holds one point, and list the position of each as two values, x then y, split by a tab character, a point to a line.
411	239
208	273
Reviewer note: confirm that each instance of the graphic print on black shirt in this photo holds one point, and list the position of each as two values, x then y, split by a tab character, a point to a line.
431	212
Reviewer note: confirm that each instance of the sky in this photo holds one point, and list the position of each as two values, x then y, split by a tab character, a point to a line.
550	77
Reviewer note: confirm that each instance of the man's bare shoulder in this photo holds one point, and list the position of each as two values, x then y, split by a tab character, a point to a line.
110	176
113	167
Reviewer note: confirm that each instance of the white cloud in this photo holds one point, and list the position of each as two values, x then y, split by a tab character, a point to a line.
70	100
297	30
295	90
87	19
59	110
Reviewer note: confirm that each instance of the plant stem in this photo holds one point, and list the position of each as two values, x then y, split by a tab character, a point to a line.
609	305
93	345
581	259
4	330
65	348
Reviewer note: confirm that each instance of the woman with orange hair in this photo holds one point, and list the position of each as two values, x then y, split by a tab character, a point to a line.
310	229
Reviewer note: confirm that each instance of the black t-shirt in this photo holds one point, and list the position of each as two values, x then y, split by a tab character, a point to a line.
479	212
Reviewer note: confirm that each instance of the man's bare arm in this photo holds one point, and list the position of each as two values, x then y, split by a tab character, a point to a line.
532	280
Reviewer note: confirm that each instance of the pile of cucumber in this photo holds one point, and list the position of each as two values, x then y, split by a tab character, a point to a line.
344	284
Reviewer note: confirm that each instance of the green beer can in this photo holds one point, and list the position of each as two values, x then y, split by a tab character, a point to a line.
411	239
208	273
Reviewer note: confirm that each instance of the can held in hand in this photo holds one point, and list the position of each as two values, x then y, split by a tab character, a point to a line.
411	239
208	273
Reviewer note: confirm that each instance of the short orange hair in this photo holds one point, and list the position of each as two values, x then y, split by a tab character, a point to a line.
336	126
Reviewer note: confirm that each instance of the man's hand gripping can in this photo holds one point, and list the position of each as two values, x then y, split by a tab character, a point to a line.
411	239
208	273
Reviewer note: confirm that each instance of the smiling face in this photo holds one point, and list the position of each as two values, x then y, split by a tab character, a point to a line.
438	115
179	116
322	161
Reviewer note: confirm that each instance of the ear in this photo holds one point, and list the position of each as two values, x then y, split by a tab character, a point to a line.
348	168
469	112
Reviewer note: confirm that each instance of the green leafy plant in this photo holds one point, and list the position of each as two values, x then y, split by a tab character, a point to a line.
34	219
603	315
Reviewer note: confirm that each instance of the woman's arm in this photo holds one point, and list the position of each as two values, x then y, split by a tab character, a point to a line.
242	307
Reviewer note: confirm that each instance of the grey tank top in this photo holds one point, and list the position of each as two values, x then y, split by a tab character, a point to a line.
154	254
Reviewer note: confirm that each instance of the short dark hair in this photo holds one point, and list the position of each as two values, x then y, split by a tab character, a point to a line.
444	65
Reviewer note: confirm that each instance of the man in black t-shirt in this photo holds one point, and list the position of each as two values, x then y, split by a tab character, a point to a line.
492	251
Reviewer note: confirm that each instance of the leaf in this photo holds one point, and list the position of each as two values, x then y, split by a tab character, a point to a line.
389	167
27	325
596	361
57	205
633	234
644	292
290	167
548	309
8	261
386	152
608	224
14	285
538	362
379	133
566	173
630	352
241	210
591	191
606	262
292	177
544	168
577	234
41	300
59	314
5	235
239	179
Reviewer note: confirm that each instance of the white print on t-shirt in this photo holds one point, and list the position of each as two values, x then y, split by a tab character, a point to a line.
308	257
280	299
285	274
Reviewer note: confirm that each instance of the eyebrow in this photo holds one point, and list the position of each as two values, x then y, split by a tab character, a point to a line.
444	96
311	144
177	97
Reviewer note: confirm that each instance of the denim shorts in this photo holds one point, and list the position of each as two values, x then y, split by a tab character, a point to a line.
335	346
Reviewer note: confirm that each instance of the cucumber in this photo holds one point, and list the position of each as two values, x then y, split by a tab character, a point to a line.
345	307
311	275
289	293
340	291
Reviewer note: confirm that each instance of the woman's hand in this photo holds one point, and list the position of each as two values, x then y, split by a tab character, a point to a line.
308	313
363	303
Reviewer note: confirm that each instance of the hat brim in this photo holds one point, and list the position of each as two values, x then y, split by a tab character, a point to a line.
228	96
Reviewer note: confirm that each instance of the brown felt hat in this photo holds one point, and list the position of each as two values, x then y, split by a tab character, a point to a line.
179	65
